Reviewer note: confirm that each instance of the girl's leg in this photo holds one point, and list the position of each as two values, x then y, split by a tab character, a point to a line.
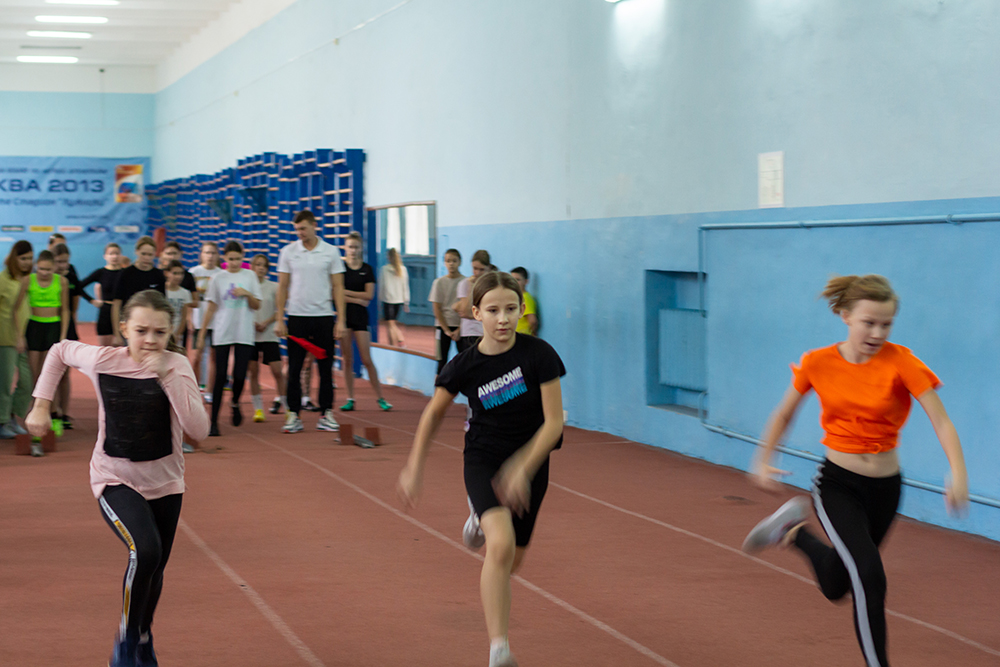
347	362
35	360
241	358
364	350
395	335
444	347
64	389
221	355
305	378
253	372
279	379
494	582
148	535
22	393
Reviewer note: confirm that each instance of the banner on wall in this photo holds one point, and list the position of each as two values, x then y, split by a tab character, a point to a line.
89	200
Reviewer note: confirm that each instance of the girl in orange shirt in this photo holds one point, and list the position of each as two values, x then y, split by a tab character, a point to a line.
864	385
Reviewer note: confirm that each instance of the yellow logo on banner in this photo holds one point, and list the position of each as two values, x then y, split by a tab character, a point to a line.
128	184
41	228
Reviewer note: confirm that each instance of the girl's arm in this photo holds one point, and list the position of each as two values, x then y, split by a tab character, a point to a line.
98	296
185	398
62	355
406	289
182	322
957	490
116	313
411	479
513	483
64	313
206	324
762	473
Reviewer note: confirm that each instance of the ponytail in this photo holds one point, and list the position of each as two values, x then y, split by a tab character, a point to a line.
842	292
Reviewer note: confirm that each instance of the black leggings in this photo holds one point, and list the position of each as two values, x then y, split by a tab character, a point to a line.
318	331
444	347
147	527
241	358
856	513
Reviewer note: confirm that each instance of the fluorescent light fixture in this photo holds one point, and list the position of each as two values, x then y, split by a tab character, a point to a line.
71	19
48	59
93	3
58	34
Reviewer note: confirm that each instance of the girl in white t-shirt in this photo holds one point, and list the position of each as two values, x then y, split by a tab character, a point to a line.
180	300
203	274
470	329
232	297
266	345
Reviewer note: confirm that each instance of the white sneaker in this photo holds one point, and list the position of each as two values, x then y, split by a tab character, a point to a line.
12	425
772	530
36	449
292	423
328	422
500	656
208	398
472	534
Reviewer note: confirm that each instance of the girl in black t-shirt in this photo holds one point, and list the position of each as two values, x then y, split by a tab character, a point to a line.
513	387
359	290
139	277
106	278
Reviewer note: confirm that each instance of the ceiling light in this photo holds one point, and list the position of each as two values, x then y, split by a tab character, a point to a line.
47	59
102	3
71	19
58	34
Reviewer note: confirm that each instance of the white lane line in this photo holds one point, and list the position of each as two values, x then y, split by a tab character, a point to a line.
916	621
649	653
300	647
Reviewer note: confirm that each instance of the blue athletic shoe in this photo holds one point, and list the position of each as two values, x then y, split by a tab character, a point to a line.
123	655
145	656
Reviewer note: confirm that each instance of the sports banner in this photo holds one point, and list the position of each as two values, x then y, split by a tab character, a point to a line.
89	200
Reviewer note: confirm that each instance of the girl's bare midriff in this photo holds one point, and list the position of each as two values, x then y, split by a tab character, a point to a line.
883	464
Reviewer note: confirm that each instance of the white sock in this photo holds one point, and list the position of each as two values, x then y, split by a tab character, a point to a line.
258	402
284	403
497	643
305	400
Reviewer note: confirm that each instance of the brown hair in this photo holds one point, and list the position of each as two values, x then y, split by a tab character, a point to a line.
491	281
305	215
482	257
45	256
19	248
173	244
453	251
175	264
154	300
261	255
233	246
112	245
844	291
60	249
395	261
145	240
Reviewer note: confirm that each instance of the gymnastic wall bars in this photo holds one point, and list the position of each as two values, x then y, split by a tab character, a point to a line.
809	224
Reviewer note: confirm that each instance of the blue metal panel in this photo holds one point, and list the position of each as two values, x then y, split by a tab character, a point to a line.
682	349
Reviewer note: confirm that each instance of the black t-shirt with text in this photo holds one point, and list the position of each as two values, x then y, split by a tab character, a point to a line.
355	281
132	281
505	395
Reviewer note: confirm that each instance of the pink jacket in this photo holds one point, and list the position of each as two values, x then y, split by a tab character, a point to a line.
120	379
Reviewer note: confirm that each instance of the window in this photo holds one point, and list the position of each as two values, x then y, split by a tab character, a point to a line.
676	377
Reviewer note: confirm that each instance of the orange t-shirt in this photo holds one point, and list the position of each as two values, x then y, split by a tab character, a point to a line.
863	405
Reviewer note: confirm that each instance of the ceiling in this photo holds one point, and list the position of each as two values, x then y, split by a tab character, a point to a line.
138	32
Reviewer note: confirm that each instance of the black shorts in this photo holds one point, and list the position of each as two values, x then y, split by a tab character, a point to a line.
42	335
357	317
479	485
71	329
104	321
270	351
390	311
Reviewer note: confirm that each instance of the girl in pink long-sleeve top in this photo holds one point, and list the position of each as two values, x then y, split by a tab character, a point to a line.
148	399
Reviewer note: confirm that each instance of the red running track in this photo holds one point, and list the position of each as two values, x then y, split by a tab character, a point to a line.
294	551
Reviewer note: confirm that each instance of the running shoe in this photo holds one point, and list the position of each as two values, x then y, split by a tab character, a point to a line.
57	427
309	406
36	449
16	428
213	431
6	432
208	397
258	416
472	534
237	416
275	407
328	422
187	448
384	404
67	423
772	530
123	655
145	656
292	423
347	407
500	656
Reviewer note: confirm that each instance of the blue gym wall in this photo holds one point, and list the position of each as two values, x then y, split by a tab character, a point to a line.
588	141
47	124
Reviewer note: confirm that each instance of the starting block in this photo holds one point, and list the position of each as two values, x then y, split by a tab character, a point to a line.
347	437
22	444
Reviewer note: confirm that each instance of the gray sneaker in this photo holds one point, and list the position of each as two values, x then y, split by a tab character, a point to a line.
328	422
16	428
772	530
36	449
292	423
6	432
501	656
472	534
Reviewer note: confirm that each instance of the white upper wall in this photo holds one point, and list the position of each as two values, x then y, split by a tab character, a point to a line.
230	26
